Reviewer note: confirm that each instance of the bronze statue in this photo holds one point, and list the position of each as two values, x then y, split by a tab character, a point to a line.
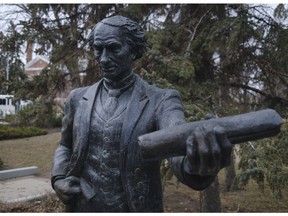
98	166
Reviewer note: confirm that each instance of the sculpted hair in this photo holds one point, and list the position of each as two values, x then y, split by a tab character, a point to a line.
135	35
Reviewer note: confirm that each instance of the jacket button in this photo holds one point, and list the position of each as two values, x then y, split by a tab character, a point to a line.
141	198
106	139
140	185
137	171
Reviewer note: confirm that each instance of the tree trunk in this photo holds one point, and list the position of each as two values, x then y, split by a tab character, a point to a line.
230	174
210	198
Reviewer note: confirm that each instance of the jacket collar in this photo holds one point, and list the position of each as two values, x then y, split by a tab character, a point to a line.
135	107
92	91
138	92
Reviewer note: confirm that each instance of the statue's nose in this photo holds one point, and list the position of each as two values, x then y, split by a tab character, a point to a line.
104	57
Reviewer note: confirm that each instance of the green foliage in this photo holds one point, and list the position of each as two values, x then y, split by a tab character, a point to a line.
166	173
8	132
10	46
177	70
31	89
266	161
40	114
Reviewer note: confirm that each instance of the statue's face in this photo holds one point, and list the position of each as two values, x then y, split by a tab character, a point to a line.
112	52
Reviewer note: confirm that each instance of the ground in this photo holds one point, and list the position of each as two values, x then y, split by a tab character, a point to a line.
177	197
175	200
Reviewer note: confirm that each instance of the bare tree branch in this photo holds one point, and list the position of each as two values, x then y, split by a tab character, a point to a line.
276	99
194	33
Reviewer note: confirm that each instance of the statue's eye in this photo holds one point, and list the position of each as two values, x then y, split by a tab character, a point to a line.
114	47
98	49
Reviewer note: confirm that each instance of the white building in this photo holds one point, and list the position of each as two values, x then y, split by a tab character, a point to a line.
6	106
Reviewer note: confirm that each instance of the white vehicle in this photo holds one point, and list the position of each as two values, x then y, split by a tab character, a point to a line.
6	106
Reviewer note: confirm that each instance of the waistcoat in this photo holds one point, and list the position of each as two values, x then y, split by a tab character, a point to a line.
100	179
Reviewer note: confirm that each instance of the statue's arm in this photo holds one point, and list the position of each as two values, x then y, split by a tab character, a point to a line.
60	166
170	113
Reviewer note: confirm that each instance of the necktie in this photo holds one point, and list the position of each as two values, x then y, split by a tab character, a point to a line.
111	102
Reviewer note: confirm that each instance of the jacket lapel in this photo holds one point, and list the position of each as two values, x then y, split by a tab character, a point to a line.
135	109
86	107
81	143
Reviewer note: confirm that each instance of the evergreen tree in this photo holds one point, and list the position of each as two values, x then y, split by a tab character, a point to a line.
223	58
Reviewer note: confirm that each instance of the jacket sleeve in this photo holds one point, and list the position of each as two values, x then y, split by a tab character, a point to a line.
168	114
61	161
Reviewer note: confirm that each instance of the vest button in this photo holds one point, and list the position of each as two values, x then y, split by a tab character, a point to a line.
106	139
137	171
140	185
141	198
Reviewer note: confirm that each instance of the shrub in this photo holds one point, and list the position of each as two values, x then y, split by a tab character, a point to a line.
39	114
265	161
8	132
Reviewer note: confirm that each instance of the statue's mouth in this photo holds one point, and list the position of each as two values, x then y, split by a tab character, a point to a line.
108	69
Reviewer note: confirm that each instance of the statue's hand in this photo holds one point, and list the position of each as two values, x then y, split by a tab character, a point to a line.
67	188
208	150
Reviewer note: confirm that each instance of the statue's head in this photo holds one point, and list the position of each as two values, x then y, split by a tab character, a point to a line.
134	33
117	41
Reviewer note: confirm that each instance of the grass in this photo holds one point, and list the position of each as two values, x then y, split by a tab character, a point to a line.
34	151
39	151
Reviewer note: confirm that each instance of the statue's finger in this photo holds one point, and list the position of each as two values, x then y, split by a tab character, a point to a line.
203	151
73	180
191	147
65	198
75	190
215	159
192	164
225	145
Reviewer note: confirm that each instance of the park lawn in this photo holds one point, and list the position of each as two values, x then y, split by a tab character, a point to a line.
33	151
39	151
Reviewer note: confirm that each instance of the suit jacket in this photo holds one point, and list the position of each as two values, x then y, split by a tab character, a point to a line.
149	109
